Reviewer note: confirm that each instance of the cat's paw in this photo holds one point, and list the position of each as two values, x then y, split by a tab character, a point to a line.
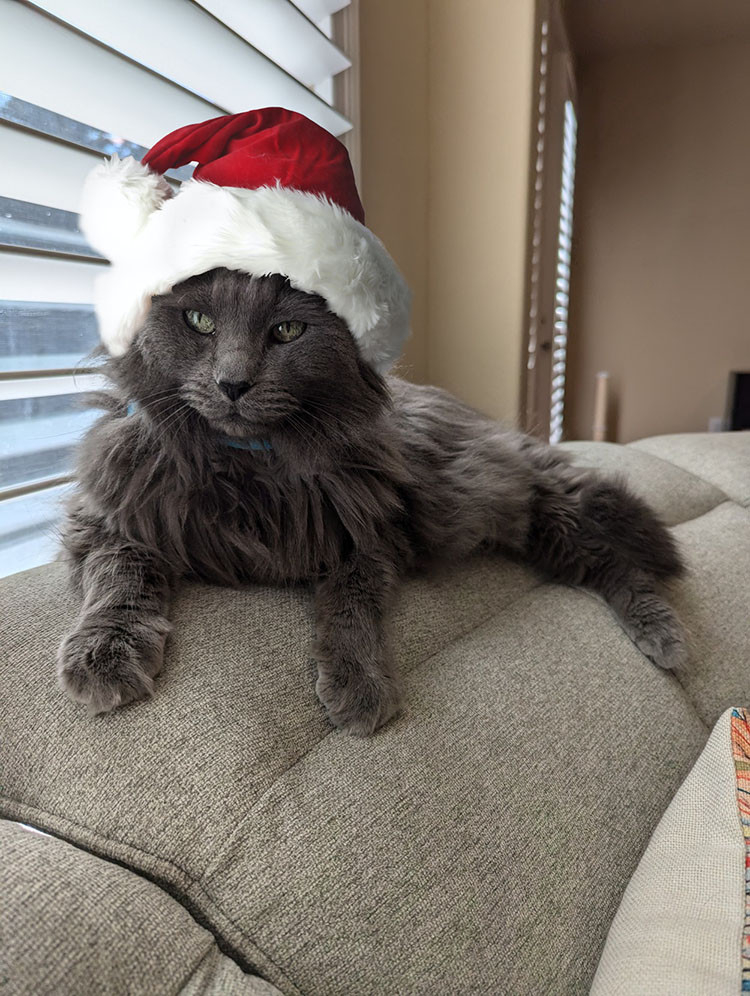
108	665
658	633
665	646
357	703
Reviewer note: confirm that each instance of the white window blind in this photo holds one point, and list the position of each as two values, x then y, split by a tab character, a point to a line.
562	274
551	226
83	78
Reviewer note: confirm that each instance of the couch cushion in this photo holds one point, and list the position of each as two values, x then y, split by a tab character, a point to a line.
720	458
714	536
537	751
235	704
713	601
516	793
71	923
673	493
433	854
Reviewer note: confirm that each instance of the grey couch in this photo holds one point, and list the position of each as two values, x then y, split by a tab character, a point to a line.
223	833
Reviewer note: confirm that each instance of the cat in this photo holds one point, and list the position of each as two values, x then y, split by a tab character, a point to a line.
246	440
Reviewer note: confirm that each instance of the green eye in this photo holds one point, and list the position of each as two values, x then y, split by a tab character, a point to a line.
287	331
200	322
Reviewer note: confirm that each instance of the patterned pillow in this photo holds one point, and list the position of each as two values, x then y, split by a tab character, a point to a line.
683	927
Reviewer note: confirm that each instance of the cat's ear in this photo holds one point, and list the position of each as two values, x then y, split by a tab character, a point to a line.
119	197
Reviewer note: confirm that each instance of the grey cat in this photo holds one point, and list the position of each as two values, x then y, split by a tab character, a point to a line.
246	440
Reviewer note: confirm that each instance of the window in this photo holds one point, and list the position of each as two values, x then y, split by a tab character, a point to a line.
550	226
80	79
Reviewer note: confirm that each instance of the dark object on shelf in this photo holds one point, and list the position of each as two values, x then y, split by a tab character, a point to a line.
738	408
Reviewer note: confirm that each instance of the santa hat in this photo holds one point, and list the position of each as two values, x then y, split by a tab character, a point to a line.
272	193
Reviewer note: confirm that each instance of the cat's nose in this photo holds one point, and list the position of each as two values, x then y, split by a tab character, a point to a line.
234	388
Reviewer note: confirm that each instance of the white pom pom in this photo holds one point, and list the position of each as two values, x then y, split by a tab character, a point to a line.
119	197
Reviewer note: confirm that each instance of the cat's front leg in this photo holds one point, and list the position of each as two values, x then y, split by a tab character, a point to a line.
117	646
357	681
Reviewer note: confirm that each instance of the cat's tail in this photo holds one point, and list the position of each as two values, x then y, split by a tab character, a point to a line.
593	531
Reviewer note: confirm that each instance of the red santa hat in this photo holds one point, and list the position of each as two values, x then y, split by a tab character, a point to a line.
272	193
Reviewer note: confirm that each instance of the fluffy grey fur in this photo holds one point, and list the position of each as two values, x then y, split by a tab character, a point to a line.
367	478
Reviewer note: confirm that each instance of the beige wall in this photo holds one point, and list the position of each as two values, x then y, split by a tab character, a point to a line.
446	104
393	94
480	77
662	237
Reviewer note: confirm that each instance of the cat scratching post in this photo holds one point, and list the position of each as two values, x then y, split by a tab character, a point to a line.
601	393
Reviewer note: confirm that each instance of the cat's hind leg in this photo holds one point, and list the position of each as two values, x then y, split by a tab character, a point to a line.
590	531
648	619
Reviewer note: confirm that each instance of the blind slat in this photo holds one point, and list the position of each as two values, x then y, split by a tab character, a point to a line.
53	67
29	466
281	32
38	437
26	512
39	278
210	61
45	434
42	387
38	336
28	534
36	169
316	10
42	121
37	226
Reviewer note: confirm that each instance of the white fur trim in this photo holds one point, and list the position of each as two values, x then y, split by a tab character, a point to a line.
119	197
155	241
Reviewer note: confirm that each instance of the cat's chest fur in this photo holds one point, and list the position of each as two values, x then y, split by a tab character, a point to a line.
232	516
255	526
258	522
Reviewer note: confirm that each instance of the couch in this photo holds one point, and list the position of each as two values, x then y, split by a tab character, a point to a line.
222	837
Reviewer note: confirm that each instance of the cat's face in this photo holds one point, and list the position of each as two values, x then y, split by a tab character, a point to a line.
251	355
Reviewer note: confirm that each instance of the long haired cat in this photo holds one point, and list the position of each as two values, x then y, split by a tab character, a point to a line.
246	440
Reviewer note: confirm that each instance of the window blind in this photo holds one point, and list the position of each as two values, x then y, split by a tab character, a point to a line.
562	274
552	178
80	79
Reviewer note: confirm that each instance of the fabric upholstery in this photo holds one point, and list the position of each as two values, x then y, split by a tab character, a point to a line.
59	906
678	931
713	601
444	853
479	843
673	493
720	458
714	536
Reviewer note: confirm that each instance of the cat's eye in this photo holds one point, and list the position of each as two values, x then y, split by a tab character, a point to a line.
200	322
288	331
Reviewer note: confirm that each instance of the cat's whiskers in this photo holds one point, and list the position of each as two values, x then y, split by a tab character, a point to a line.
169	414
162	390
155	409
165	393
185	418
303	431
327	421
317	405
171	419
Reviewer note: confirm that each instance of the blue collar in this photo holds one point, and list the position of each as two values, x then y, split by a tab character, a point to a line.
247	444
237	444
